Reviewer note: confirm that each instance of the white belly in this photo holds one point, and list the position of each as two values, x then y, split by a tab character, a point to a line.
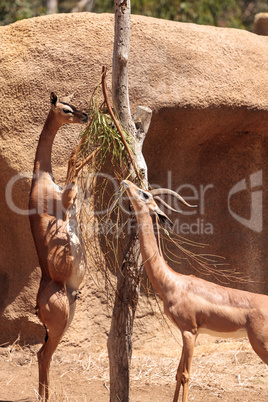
241	333
79	261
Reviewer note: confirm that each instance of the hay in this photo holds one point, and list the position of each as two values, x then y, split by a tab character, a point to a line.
220	369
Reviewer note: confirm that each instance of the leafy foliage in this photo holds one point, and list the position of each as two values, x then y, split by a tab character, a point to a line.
225	13
11	11
102	133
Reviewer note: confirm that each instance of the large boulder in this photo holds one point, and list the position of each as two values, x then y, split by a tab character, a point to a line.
208	89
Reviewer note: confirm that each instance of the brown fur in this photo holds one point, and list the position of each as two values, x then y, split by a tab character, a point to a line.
54	229
193	304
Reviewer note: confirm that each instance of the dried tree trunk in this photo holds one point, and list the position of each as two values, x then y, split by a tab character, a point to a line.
83	5
52	6
128	279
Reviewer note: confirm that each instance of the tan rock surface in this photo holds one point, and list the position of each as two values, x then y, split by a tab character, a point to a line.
208	88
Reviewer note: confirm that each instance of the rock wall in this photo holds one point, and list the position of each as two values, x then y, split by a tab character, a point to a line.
208	89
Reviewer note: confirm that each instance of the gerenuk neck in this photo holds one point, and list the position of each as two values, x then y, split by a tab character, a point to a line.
159	273
43	153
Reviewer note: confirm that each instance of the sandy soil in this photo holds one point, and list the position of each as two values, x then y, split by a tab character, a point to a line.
222	370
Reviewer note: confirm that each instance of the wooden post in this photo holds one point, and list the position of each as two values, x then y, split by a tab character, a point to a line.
128	279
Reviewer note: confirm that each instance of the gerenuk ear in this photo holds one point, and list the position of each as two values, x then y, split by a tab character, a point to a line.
53	99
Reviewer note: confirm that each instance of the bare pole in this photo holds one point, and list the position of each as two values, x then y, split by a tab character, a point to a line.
139	124
128	278
120	63
52	6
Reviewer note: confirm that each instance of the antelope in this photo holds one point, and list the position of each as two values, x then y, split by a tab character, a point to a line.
52	214
194	305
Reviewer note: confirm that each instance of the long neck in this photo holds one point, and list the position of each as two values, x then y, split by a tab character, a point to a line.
44	148
158	271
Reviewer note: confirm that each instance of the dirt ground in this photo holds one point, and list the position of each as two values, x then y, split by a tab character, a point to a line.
222	370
